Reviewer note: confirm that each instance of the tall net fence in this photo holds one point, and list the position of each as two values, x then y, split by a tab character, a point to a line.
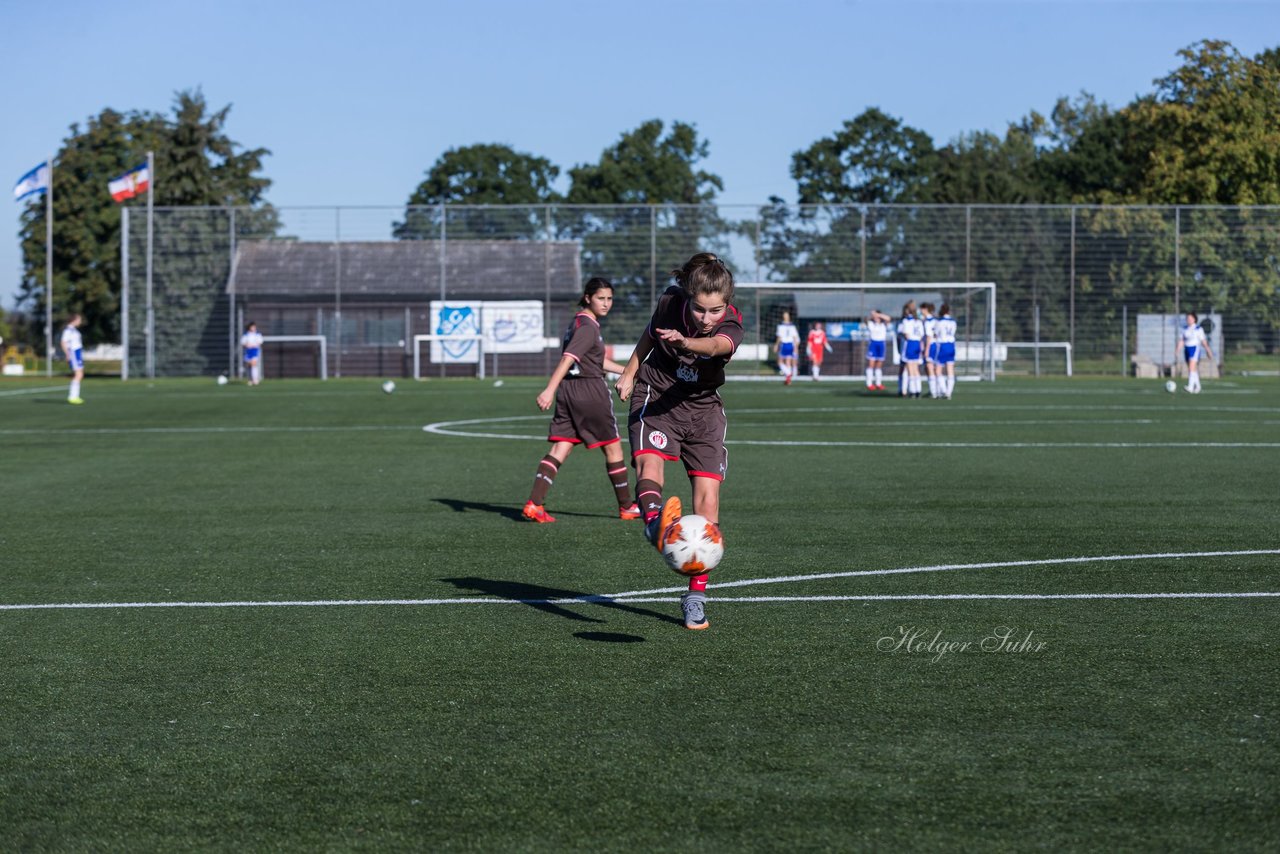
1078	279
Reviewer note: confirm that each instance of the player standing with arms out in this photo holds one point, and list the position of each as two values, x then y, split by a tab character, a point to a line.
911	331
672	382
877	344
787	339
818	348
930	349
944	330
584	406
1190	342
73	349
251	344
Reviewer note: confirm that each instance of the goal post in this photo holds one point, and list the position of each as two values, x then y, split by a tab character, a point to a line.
323	352
843	308
458	349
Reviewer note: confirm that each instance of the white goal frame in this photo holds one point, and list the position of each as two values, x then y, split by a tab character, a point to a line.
293	339
417	350
989	353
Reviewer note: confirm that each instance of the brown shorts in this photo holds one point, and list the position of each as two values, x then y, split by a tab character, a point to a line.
584	414
677	430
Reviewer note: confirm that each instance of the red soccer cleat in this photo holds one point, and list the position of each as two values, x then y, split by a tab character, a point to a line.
536	513
631	511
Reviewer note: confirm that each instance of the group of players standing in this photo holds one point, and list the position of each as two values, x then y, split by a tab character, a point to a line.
923	337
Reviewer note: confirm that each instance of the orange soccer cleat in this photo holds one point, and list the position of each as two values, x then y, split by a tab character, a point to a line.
536	513
631	511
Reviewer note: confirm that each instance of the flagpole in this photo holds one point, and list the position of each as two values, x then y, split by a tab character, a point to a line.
48	274
124	292
151	317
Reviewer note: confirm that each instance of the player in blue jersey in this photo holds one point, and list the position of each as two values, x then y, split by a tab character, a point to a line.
877	346
787	343
1192	342
73	349
911	334
251	344
944	330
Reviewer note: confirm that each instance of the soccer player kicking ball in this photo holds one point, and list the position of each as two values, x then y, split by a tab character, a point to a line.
584	408
671	382
73	349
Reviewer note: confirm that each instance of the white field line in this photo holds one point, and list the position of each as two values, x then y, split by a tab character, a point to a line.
946	567
84	431
672	592
41	390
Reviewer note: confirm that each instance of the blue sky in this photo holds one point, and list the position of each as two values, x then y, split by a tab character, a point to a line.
357	100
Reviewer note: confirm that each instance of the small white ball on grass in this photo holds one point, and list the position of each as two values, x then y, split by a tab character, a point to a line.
388	386
1171	386
222	379
497	383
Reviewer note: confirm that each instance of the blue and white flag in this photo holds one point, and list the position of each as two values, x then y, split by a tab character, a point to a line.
35	181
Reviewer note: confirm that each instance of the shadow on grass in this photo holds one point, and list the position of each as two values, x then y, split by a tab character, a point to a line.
609	637
457	505
541	598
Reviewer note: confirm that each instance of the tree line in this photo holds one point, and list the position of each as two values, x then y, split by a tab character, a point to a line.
1208	133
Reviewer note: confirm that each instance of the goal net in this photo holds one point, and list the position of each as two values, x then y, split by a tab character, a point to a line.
843	310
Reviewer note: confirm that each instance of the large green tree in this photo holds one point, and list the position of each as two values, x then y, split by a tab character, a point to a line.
485	174
646	167
196	164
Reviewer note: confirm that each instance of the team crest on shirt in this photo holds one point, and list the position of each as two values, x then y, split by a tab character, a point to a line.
688	373
658	439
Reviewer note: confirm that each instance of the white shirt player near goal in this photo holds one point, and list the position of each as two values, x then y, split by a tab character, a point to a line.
944	333
251	344
1193	342
73	348
787	340
877	323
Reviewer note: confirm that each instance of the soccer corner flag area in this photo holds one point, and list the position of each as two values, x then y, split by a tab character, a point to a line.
309	616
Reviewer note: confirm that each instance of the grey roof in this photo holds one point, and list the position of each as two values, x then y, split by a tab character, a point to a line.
396	269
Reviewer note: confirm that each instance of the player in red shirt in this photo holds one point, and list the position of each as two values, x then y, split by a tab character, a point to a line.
672	382
584	407
818	348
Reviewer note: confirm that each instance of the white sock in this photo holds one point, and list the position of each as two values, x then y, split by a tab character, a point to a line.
879	376
871	376
75	390
950	384
1195	380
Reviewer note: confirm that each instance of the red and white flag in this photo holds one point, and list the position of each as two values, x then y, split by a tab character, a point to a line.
131	183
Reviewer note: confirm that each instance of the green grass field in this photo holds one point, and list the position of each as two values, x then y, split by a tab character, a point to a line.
417	685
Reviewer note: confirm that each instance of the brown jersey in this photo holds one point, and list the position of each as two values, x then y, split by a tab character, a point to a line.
585	345
688	376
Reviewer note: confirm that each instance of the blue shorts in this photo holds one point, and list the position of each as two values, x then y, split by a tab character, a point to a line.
77	360
933	352
911	351
786	349
875	349
251	353
1191	353
946	353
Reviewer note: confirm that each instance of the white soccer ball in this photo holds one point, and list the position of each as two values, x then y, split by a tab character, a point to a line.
692	545
222	379
388	386
1171	386
497	383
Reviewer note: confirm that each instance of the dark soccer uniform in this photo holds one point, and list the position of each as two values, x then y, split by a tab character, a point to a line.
676	410
584	406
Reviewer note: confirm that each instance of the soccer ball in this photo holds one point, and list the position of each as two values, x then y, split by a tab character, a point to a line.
388	386
692	545
1171	386
222	379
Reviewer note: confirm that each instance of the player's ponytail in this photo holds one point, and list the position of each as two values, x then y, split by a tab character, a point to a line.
589	289
703	274
945	310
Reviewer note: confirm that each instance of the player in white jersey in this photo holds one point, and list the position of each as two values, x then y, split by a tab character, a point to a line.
911	333
944	330
930	349
73	349
877	343
1190	342
251	344
786	342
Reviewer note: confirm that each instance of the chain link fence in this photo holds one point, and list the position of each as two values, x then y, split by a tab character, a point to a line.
368	280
